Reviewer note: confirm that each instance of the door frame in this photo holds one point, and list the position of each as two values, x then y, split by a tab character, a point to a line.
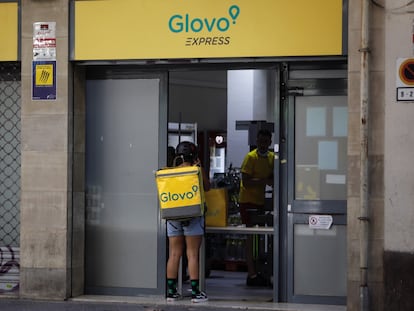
298	211
120	72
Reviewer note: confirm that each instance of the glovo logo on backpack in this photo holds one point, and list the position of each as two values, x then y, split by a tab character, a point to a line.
179	191
181	198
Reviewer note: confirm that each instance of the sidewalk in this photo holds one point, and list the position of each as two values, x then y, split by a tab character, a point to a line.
106	303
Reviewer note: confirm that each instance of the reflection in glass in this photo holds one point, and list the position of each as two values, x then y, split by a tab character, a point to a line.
320	147
328	155
316	121
340	121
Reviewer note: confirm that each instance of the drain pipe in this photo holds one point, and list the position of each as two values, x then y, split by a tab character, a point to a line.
364	209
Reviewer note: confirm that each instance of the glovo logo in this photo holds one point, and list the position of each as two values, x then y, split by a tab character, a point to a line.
180	196
186	23
192	25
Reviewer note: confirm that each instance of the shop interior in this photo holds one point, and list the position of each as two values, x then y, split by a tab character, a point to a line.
220	110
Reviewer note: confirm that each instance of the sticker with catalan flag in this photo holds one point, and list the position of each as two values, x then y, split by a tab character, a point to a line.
44	80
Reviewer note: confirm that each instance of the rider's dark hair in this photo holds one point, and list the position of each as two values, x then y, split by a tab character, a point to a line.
186	151
265	133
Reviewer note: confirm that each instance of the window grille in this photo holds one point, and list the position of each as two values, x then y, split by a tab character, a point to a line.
10	128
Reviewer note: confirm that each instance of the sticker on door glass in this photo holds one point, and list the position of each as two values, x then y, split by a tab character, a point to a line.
320	221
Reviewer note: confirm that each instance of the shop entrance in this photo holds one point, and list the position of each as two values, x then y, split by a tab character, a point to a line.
228	108
133	118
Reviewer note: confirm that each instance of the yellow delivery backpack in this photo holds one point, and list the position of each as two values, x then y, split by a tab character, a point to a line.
180	192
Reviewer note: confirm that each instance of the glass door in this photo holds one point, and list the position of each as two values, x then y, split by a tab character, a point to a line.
126	126
316	210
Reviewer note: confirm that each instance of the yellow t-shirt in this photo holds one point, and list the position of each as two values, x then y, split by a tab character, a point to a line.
257	167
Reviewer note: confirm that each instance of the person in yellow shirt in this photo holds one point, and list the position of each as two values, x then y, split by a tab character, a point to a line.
257	172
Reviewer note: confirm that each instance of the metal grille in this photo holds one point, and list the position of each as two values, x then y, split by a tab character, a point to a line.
10	103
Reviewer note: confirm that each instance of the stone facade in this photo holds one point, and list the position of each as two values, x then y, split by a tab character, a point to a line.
398	194
390	182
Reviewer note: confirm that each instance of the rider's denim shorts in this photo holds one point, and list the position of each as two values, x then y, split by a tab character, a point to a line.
188	227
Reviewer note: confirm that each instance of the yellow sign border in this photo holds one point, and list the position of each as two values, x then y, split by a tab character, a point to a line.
144	29
9	31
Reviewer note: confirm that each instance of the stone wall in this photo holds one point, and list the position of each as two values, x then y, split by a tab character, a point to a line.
46	177
375	156
398	163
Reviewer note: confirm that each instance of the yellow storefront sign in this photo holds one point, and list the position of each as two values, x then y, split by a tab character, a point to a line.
159	29
8	31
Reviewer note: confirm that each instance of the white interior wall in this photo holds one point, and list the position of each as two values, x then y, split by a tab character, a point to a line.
200	97
216	100
239	108
259	95
248	100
